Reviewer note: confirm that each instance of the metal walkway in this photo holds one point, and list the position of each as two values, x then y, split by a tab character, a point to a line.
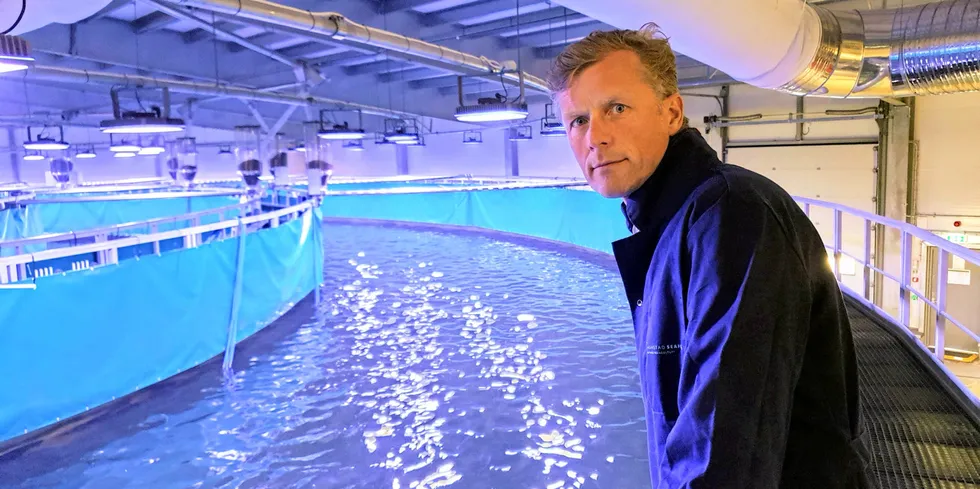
920	436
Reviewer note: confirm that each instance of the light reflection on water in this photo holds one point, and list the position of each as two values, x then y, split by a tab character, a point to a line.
436	360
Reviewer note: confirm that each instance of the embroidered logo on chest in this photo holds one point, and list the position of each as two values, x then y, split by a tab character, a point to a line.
666	349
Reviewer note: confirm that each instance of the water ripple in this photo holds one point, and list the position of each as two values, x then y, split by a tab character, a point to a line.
435	360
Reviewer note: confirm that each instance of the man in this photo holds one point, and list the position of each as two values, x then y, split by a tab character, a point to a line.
746	359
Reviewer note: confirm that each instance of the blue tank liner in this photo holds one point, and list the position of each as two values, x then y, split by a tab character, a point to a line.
580	217
63	352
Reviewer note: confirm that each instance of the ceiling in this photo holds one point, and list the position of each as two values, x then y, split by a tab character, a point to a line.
136	37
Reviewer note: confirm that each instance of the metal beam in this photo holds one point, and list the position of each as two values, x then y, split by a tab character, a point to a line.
392	6
282	119
412	74
255	113
443	82
474	10
375	67
14	155
547	38
220	34
152	22
198	35
311	50
554	16
51	73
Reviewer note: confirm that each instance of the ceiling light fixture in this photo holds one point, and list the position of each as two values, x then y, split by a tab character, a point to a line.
356	145
43	142
551	126
156	120
85	153
491	109
520	133
33	156
401	131
124	145
15	54
342	131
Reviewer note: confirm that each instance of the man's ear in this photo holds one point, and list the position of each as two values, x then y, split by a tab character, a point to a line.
674	107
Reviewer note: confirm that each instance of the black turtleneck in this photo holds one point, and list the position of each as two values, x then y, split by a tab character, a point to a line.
687	162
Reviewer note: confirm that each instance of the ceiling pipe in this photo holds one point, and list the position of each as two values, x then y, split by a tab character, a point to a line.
335	27
70	75
805	49
221	34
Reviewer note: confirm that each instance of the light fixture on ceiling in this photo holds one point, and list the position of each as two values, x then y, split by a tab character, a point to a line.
355	145
31	155
153	145
124	145
85	153
15	54
491	109
43	142
472	137
551	126
150	151
156	120
124	154
401	131
342	131
520	133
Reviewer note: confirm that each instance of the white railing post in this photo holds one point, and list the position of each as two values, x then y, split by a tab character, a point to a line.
941	282
156	242
905	303
236	298
838	218
867	259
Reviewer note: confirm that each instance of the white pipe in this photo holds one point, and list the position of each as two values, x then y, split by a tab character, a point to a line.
761	42
39	13
335	26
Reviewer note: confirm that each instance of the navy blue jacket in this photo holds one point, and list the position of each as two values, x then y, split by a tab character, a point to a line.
747	363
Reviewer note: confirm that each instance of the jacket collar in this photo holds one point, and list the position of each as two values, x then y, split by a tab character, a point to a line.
687	162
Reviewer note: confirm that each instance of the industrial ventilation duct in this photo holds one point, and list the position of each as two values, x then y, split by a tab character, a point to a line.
18	16
804	49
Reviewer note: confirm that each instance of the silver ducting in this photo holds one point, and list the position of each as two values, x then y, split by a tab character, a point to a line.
804	49
335	27
58	74
919	50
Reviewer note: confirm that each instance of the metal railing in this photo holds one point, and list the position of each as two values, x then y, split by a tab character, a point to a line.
14	268
940	316
194	218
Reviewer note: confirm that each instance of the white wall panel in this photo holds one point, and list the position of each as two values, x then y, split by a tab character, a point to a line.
949	154
842	174
445	154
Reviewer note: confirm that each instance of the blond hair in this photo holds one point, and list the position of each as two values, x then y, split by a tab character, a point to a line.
649	43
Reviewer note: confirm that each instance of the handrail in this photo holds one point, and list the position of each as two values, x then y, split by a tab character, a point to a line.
424	190
9	265
905	280
137	196
922	234
108	230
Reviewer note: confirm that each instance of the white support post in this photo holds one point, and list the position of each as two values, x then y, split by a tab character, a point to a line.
941	283
905	295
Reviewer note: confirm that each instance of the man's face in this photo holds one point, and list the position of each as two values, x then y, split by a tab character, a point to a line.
617	124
